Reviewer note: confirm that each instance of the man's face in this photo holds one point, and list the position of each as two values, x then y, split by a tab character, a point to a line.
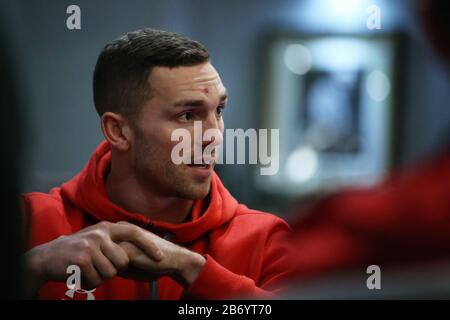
179	97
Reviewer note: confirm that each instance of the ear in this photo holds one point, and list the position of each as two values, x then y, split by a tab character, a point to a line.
116	130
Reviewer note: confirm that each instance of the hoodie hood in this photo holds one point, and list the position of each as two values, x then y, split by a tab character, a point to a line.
87	191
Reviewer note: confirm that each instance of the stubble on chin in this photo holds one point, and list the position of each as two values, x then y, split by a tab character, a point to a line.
190	188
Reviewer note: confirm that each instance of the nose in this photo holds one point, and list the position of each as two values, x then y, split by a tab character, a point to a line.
212	131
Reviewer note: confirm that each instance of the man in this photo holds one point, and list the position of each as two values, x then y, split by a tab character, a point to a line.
132	216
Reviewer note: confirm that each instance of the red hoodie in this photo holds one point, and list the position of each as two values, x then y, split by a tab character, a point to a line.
246	251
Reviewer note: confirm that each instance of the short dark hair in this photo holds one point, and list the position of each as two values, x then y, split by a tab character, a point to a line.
121	73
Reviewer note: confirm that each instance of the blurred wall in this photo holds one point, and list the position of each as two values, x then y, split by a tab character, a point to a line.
55	67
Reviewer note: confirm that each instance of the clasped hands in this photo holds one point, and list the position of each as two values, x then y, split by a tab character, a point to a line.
105	250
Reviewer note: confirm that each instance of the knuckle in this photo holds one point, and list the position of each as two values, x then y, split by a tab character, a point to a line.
111	273
83	245
104	225
83	260
97	235
123	263
135	231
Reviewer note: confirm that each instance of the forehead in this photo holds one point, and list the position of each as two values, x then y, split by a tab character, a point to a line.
173	83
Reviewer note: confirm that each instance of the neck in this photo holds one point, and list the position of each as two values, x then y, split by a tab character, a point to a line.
126	191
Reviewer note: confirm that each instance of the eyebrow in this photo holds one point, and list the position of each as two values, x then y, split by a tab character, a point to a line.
198	102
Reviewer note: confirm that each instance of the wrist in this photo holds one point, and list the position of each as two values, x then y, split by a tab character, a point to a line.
191	268
35	273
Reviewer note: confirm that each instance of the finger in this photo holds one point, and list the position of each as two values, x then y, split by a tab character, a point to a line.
143	239
138	258
131	250
115	254
103	266
90	277
136	255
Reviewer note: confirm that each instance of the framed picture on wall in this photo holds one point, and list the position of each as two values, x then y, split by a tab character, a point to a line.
333	98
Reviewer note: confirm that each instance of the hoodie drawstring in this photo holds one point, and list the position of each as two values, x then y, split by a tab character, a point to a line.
154	284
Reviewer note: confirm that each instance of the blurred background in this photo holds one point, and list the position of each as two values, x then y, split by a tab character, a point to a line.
354	103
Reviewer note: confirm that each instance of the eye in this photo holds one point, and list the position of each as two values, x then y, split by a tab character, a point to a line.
220	110
186	116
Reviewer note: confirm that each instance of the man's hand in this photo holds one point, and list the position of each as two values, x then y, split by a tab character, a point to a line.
178	263
94	250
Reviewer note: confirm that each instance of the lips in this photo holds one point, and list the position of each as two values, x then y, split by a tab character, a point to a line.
202	162
200	166
203	168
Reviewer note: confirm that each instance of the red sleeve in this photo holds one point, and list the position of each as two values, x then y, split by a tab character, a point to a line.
217	282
